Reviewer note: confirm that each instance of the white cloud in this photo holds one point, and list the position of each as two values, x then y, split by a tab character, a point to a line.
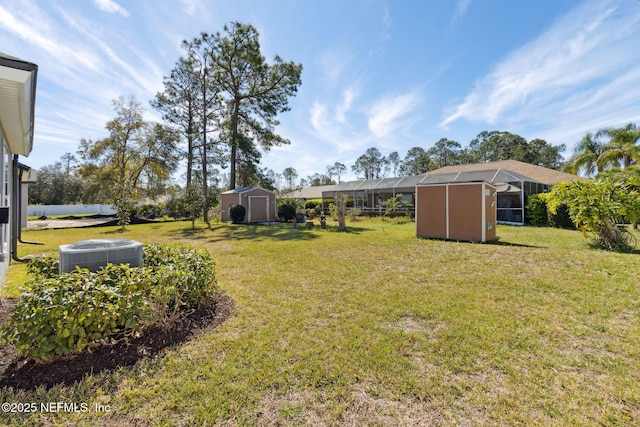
36	31
389	114
586	50
111	7
461	9
348	96
333	64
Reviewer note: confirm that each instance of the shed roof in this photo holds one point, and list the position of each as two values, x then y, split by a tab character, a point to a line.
244	190
17	103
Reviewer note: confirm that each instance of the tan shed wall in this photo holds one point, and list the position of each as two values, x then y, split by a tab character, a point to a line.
465	211
259	203
431	202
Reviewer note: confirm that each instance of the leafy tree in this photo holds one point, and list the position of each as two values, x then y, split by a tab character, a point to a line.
336	169
180	102
133	151
56	186
396	203
318	179
539	152
445	152
623	148
495	146
629	177
201	67
193	202
585	156
253	91
416	161
598	208
67	159
371	164
394	162
290	175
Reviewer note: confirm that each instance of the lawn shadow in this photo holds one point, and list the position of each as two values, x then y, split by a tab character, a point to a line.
499	242
221	232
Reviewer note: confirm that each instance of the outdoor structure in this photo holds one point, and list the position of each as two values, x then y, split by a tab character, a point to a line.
308	193
260	204
514	181
370	195
456	211
17	106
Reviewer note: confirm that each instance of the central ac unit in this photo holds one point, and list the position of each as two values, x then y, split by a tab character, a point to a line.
93	254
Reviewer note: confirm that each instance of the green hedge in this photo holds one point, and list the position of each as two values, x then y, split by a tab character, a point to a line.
67	313
537	213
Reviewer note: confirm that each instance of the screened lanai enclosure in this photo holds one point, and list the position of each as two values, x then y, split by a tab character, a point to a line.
371	195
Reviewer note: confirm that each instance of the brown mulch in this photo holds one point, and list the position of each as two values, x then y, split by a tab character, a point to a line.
26	374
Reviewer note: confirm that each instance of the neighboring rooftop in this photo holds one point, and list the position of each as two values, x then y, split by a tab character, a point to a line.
314	192
534	173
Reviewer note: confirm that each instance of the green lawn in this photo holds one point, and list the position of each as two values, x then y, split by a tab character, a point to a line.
376	327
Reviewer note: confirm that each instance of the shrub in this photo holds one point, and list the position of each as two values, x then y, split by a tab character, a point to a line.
237	213
598	208
561	218
44	266
536	210
287	212
67	313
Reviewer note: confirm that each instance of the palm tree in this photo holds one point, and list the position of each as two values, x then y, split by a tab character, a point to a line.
623	148
586	155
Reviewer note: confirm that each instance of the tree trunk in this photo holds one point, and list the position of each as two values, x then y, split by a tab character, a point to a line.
205	189
341	205
234	144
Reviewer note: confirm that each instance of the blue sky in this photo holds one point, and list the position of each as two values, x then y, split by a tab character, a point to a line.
377	73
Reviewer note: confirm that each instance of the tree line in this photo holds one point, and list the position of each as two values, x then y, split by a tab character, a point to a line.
487	146
609	152
221	101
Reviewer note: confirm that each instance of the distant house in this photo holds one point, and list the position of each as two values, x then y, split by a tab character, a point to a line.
17	105
260	204
308	193
514	180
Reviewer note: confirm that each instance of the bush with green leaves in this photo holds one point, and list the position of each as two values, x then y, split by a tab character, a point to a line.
237	213
67	313
598	208
44	266
287	212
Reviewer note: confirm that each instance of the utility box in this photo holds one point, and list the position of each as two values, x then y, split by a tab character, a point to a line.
456	211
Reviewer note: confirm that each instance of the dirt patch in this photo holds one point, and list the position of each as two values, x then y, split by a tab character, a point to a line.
409	324
26	374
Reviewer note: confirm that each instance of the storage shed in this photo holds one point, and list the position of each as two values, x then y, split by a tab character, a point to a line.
456	211
260	204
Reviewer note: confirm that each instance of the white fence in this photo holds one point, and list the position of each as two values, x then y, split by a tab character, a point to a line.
40	210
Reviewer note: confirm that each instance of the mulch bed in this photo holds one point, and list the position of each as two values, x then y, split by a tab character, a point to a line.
26	374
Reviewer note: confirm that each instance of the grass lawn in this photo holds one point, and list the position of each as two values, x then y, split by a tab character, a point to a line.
376	327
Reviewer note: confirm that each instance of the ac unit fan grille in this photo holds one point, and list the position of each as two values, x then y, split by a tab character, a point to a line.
93	254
